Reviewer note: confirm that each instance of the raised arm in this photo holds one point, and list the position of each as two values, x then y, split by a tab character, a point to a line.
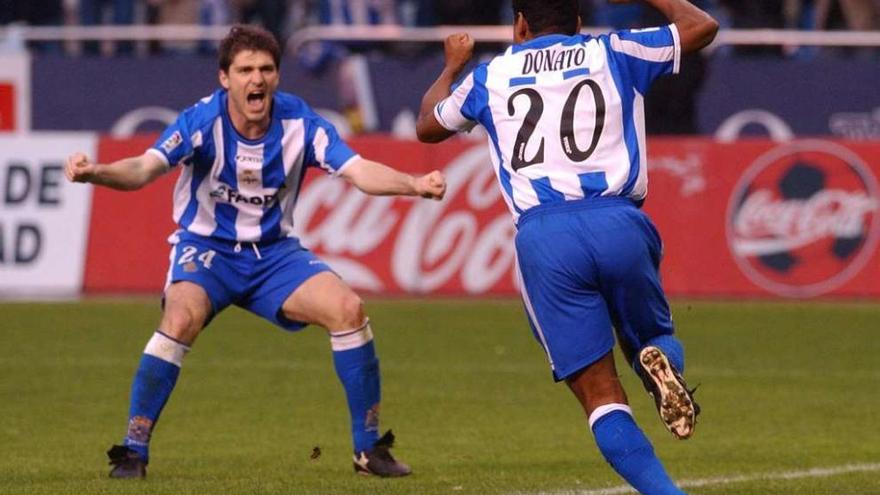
381	180
458	49
696	28
127	174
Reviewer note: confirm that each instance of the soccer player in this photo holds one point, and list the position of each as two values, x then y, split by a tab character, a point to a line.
242	154
564	116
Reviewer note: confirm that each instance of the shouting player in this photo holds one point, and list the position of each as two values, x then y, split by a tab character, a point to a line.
243	153
564	116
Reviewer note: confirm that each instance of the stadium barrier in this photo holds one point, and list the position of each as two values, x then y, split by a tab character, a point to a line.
746	219
17	35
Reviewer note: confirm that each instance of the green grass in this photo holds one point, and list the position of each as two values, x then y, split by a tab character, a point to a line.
784	387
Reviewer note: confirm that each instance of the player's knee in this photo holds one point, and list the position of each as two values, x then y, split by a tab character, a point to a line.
351	311
181	324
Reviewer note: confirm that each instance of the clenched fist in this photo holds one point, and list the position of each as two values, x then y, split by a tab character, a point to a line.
459	49
431	186
78	168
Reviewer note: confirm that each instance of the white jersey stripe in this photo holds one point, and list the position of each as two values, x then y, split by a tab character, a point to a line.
320	145
677	42
249	164
205	223
182	193
160	155
292	153
528	304
643	52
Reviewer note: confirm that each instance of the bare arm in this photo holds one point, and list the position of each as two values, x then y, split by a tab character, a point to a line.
459	49
381	180
696	28
127	174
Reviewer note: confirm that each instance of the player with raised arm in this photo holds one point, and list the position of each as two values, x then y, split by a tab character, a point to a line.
564	116
243	153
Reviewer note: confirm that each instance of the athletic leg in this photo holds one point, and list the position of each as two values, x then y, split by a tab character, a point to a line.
630	282
326	300
196	289
187	308
563	294
621	441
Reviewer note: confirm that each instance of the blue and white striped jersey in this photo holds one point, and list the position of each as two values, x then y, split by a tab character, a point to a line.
565	114
240	189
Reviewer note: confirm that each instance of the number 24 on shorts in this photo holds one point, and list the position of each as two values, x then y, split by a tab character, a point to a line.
189	253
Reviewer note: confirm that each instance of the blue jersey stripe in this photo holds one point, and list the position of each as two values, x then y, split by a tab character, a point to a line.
270	224
200	170
273	176
576	72
630	137
228	173
225	215
651	38
545	191
273	163
478	98
478	101
522	81
593	184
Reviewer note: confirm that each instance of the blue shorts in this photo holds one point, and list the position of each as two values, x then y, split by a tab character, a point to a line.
589	267
258	277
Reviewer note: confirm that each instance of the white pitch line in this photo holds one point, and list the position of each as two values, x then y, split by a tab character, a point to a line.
725	480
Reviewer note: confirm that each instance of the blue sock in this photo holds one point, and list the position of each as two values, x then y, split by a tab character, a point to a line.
153	382
629	452
671	346
354	357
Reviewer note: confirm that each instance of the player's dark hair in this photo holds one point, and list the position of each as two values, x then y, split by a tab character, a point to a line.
243	37
549	16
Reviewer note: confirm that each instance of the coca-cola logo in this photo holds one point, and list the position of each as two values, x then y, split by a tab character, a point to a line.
383	244
804	218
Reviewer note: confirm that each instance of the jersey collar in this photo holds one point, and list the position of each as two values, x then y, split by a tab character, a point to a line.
542	41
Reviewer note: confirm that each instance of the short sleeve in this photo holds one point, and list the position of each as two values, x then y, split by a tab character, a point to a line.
174	146
326	149
454	112
647	53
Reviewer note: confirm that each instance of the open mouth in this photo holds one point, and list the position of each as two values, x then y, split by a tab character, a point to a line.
256	100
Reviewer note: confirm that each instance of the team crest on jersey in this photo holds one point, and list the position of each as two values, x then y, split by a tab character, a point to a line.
804	218
249	177
172	142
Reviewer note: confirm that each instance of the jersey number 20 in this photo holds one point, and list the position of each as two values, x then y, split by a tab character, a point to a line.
566	125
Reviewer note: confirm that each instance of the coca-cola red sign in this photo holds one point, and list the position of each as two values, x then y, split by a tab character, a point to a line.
801	220
804	219
461	245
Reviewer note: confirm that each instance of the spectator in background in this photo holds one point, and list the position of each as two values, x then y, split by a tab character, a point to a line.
357	12
94	12
466	12
173	12
353	92
765	14
34	13
271	14
315	56
859	15
616	16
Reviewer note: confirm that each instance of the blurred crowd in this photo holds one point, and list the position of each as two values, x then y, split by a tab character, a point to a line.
282	17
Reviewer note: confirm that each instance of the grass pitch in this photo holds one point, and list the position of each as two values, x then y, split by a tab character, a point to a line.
784	388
